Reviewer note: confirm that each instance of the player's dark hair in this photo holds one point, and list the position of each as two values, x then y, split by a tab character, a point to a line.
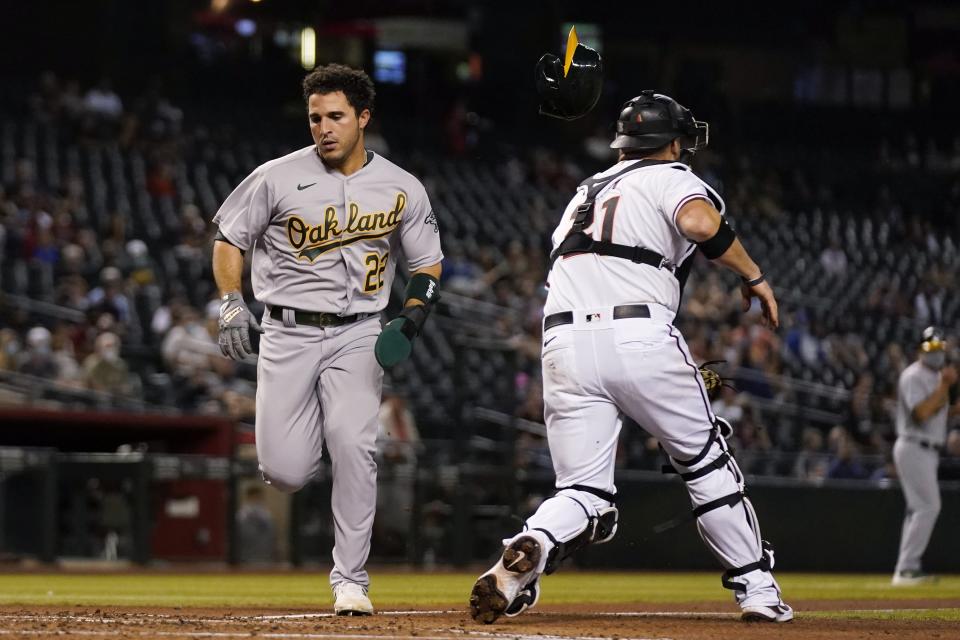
355	84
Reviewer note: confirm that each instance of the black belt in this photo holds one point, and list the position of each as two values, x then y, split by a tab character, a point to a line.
924	444
316	318
619	313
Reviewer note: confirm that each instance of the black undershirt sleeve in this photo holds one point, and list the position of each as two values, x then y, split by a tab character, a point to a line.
223	238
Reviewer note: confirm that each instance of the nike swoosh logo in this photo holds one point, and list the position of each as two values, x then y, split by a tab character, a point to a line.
550	340
301	187
520	556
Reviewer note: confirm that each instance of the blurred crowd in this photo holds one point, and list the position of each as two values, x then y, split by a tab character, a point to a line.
136	316
119	327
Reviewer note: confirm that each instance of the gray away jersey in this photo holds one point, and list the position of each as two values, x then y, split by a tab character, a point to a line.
327	242
916	384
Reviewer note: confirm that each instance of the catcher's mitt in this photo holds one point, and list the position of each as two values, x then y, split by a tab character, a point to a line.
712	380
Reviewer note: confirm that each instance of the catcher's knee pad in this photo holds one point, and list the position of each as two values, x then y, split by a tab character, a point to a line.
608	520
599	526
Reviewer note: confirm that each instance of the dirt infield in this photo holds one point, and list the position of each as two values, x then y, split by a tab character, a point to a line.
678	621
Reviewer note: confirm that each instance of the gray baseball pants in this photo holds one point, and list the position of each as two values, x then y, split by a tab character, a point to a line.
322	385
917	470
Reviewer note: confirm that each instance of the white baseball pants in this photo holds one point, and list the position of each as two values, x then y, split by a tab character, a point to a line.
597	369
917	470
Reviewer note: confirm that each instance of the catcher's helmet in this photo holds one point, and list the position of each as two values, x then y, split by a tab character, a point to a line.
932	339
569	88
652	120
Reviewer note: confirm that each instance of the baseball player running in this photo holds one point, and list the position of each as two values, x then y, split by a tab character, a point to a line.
610	349
923	395
326	225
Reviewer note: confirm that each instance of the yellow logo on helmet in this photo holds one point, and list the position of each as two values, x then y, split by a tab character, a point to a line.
572	43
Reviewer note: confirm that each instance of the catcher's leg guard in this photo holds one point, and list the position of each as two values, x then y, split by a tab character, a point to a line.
574	518
728	525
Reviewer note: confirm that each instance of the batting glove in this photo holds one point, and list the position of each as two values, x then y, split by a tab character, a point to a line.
235	324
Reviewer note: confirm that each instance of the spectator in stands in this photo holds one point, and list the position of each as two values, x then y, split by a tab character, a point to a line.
72	292
860	409
752	446
45	248
9	350
160	181
886	472
110	297
398	439
72	260
38	359
398	446
240	407
833	259
805	340
187	346
138	264
531	449
846	462
730	405
159	119
103	109
203	378
928	304
62	351
256	527
810	462
461	274
45	102
104	370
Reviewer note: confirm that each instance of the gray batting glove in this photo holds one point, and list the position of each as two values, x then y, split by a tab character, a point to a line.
235	324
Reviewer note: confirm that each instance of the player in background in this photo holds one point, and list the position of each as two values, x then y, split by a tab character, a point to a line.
326	225
923	397
621	252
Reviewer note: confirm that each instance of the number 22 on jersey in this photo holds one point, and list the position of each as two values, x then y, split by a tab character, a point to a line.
376	265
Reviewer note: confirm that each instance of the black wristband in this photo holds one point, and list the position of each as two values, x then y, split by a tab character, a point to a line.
416	316
755	281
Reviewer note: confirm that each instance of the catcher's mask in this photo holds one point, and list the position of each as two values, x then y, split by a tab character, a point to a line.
652	120
570	87
932	340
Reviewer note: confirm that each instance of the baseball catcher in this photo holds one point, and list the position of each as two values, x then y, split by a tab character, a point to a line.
621	252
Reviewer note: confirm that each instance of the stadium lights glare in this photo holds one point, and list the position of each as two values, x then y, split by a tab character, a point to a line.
308	48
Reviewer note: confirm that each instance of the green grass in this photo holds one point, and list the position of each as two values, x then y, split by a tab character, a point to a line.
390	590
920	615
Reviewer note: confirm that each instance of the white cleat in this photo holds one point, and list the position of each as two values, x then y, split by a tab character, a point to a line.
350	599
761	613
503	589
912	579
527	598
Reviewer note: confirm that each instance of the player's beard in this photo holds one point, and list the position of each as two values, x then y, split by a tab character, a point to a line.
337	159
